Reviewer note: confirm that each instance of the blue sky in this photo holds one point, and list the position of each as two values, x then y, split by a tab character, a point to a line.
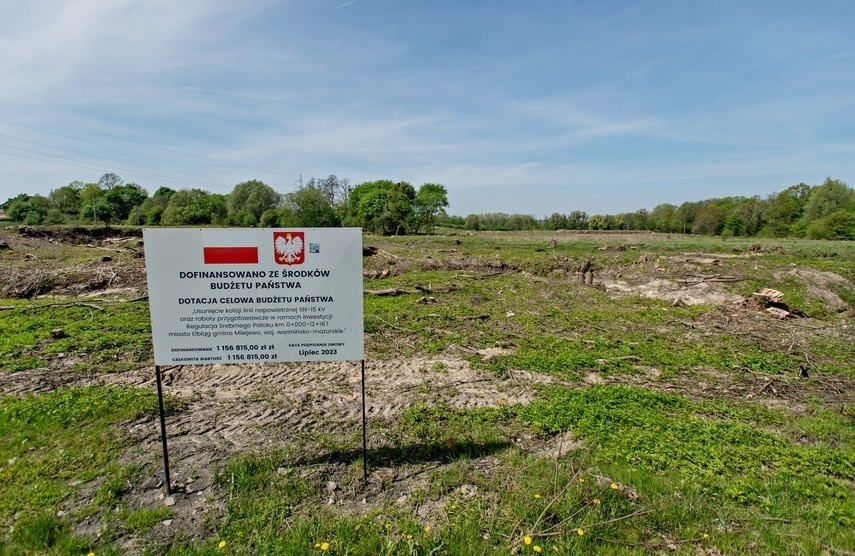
515	106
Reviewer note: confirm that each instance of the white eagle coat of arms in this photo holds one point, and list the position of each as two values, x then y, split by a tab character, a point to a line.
288	247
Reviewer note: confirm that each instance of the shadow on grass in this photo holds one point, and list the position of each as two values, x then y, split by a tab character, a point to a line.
439	452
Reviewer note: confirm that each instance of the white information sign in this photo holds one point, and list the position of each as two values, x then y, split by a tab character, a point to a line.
255	295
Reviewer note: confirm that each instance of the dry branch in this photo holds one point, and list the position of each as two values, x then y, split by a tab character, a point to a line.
429	289
390	291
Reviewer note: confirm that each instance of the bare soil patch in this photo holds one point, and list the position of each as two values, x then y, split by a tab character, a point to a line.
233	408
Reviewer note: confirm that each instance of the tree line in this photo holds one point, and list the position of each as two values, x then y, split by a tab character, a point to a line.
825	211
383	206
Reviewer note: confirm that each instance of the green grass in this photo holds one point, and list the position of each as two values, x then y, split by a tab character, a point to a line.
662	470
95	336
145	518
53	444
734	459
710	471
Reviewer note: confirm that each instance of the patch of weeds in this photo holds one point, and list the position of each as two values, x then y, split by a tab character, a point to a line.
51	443
744	468
439	367
116	485
44	534
142	519
116	337
429	432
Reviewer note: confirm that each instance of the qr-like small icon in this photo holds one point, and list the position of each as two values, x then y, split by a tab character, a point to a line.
314	248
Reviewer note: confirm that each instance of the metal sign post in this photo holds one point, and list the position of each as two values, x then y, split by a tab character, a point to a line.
364	427
163	429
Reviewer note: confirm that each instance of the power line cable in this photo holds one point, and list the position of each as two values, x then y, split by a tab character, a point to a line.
108	158
208	167
134	142
145	174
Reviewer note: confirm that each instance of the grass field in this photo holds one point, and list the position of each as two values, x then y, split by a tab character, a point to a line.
514	408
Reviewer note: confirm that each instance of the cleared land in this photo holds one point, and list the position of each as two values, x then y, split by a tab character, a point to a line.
512	407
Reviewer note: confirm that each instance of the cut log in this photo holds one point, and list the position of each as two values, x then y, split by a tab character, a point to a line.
779	313
768	295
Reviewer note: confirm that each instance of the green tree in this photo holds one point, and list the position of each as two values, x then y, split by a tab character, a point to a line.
710	219
17	207
97	209
577	220
837	225
123	199
430	200
29	209
89	192
107	205
67	198
556	221
826	199
382	206
152	208
663	218
249	200
598	222
193	207
785	208
472	222
310	207
685	217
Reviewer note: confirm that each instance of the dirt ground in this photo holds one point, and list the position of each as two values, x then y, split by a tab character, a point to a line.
230	408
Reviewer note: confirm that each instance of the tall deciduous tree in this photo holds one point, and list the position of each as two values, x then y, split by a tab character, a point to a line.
109	181
311	207
152	208
430	200
66	198
382	206
190	207
828	198
249	200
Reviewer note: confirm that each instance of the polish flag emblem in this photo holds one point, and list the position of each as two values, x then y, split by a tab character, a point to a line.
288	247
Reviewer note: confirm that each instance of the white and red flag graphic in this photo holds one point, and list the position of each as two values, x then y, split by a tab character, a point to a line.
289	247
238	247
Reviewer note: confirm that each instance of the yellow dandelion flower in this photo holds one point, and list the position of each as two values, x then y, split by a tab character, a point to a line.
596	501
388	526
91	554
222	544
537	496
427	529
581	480
325	546
317	545
409	537
614	486
453	507
580	532
706	536
527	539
537	549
